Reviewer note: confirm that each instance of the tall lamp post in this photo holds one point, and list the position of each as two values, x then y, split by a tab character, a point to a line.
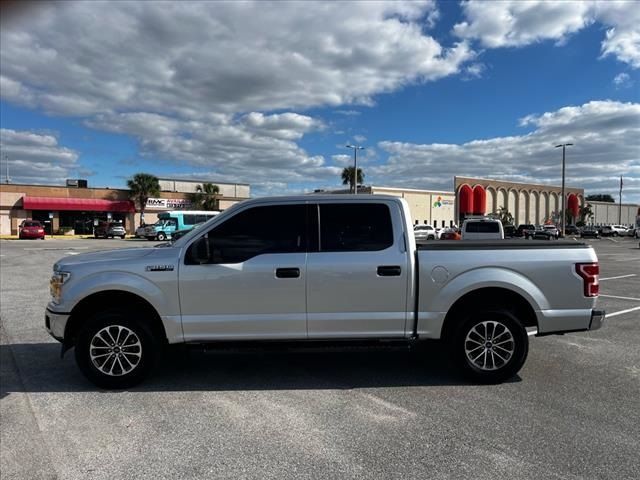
355	166
564	200
8	178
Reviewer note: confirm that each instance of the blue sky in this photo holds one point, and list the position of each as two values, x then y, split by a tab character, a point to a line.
269	93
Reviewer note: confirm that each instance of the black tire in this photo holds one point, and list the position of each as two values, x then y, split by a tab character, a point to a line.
146	353
161	236
122	237
615	234
501	361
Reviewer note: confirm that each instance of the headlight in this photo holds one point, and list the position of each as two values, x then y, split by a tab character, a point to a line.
55	285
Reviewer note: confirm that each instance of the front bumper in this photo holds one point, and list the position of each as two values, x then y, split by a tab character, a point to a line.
597	319
55	323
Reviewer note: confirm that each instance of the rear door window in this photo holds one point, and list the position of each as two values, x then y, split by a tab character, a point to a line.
355	227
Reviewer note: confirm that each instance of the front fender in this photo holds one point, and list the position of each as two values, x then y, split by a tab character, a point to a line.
165	303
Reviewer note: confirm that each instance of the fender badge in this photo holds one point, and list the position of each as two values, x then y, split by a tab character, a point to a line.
159	268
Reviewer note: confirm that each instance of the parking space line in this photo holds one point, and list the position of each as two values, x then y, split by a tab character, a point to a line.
621	276
621	298
614	314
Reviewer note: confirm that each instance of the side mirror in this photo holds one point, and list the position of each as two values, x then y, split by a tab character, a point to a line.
199	251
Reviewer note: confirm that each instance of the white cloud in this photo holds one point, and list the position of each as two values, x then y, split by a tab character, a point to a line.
36	158
187	58
516	23
622	80
606	137
475	70
196	82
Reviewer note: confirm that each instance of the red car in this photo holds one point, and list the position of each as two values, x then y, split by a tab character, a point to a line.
31	229
450	234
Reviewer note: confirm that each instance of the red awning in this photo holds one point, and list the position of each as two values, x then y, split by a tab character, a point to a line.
82	204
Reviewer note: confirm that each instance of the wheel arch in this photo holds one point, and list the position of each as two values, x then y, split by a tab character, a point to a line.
489	298
98	300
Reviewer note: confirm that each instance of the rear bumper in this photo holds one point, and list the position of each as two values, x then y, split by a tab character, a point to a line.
557	322
597	319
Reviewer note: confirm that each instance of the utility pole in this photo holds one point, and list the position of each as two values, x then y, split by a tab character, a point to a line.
355	166
564	200
620	204
8	179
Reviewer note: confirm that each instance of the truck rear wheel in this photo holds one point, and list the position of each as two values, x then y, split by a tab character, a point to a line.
115	350
490	346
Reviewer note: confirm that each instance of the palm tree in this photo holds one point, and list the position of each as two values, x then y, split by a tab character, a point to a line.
347	177
142	186
206	197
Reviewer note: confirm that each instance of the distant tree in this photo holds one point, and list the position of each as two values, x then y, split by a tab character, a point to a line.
585	213
142	186
347	177
504	216
601	197
206	197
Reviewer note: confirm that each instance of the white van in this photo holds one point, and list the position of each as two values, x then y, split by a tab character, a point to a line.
482	229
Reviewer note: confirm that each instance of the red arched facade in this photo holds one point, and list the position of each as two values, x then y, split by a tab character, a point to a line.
465	197
479	200
573	205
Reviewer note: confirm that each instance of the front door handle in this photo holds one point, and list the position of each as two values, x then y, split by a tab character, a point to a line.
287	272
389	271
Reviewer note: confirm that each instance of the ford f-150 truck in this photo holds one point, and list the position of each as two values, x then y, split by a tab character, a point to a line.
319	268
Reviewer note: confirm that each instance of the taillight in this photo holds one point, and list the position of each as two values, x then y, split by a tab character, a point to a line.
589	273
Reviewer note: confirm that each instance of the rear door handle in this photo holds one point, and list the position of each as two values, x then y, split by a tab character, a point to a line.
287	272
389	271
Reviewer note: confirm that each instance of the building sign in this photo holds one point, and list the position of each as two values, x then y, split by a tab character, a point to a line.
167	204
441	202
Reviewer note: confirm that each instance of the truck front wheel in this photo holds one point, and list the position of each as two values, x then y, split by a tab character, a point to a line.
491	346
161	236
115	350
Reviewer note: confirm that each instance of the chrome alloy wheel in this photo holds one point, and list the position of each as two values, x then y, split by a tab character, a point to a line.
489	345
115	350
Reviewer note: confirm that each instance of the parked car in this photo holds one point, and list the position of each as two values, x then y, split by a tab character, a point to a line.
31	229
541	233
482	229
607	231
510	231
620	230
140	231
424	232
590	232
265	269
571	230
553	230
451	234
522	227
109	230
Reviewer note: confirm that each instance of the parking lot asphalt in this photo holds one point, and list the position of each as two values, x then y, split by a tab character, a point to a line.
572	412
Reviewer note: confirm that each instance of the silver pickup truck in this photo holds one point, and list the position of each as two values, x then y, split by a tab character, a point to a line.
319	268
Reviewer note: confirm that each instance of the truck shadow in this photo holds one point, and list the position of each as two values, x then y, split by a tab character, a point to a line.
37	367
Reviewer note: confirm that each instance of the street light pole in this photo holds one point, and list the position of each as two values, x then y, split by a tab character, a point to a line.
564	200
6	159
355	166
